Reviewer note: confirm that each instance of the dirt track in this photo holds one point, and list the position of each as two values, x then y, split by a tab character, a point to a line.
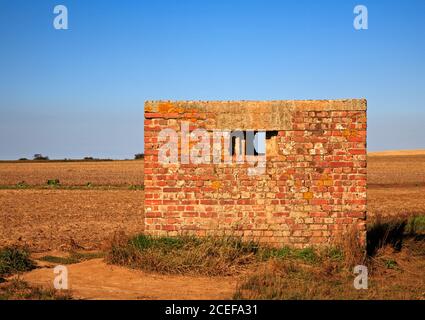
94	279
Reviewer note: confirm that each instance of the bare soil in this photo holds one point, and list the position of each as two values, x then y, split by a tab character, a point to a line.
395	170
57	219
94	279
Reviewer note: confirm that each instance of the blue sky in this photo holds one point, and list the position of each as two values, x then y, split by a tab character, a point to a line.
80	92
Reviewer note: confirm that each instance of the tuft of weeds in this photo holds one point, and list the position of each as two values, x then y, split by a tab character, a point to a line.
15	259
348	249
53	182
17	289
22	185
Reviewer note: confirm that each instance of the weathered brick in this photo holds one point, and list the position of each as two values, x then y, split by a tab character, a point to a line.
313	188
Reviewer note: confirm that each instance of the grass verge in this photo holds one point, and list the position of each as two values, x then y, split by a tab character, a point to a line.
184	254
73	257
212	256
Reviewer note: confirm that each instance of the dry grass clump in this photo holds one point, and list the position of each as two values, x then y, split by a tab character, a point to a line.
17	289
283	280
210	256
349	244
395	261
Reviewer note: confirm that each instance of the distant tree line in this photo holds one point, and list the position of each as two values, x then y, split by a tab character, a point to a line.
40	157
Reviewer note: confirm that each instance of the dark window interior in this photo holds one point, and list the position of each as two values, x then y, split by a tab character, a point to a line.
248	137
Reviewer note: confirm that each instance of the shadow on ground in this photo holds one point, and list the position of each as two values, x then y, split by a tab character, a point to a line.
392	233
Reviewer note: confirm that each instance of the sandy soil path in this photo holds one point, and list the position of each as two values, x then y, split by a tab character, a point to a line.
94	279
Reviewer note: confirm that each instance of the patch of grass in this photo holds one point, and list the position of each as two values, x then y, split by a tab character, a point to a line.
17	289
74	257
335	254
266	253
19	185
416	225
142	242
183	254
15	259
198	255
307	254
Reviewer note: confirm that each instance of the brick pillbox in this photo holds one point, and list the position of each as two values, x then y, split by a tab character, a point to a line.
313	189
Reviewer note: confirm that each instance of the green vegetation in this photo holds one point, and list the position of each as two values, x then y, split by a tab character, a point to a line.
416	225
53	183
183	254
22	185
13	260
203	255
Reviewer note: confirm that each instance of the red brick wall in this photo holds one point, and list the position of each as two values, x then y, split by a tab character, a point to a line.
313	189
